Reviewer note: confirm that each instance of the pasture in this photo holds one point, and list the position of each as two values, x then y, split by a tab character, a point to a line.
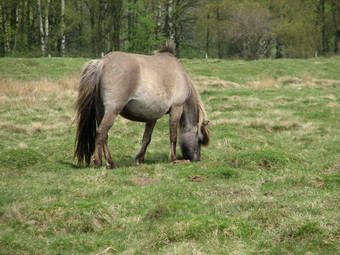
268	183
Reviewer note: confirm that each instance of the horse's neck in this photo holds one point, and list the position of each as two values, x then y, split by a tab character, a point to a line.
190	113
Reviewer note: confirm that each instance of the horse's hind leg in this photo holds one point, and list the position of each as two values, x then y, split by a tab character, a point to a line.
102	141
108	158
139	159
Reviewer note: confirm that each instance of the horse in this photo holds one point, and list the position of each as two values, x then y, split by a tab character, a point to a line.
140	88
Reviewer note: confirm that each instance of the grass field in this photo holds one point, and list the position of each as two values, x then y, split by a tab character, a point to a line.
269	183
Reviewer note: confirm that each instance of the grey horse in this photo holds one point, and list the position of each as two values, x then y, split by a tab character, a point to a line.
139	88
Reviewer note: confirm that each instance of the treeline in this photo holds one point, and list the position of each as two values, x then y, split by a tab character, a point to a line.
200	28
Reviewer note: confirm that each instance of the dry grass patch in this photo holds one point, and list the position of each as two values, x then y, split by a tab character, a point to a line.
38	93
188	247
214	81
14	212
13	127
226	145
270	125
330	96
307	81
14	88
276	125
265	83
33	127
143	181
288	80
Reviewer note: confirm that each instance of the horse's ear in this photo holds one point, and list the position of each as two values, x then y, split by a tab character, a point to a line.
205	134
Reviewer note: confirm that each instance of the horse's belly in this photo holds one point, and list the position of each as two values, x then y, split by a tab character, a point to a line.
144	111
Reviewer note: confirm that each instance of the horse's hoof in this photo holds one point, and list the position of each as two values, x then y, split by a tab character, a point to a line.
111	166
96	164
139	161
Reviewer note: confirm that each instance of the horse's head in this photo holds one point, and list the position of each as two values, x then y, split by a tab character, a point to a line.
191	141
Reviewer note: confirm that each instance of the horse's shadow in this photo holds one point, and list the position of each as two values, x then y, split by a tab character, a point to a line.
69	164
125	162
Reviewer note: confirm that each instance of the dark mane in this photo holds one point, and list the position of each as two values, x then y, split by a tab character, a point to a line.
167	47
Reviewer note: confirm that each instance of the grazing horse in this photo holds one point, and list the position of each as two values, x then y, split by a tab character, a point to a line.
139	88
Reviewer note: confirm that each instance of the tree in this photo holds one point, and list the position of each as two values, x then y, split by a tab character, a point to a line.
322	21
169	23
251	32
132	15
116	10
335	7
179	20
44	27
4	32
212	22
144	35
294	26
63	39
212	28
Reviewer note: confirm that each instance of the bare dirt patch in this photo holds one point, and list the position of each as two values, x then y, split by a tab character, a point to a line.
196	178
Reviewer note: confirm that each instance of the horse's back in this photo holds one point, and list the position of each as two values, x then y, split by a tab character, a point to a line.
147	86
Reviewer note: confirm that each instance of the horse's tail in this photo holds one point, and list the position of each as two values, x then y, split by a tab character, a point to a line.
86	111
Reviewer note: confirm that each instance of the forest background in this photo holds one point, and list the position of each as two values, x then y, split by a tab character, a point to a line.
200	28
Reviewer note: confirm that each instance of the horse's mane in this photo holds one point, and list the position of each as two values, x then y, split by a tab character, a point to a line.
168	46
203	130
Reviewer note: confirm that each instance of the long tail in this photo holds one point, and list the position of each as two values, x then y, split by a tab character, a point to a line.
86	111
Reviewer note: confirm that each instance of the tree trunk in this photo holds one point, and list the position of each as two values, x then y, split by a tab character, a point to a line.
63	40
80	25
42	34
100	31
131	19
336	23
12	17
169	26
14	26
2	29
32	17
220	34
207	38
117	20
337	42
158	18
92	23
323	26
47	25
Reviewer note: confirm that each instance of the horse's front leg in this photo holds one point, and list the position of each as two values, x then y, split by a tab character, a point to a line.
102	139
175	115
139	159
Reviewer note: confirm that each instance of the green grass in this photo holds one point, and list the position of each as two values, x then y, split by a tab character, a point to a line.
35	69
269	180
241	71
